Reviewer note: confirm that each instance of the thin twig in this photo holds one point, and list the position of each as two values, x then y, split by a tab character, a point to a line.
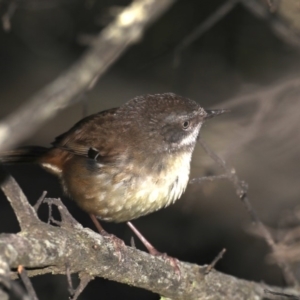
208	178
283	30
37	205
214	262
266	101
27	283
241	189
84	280
288	296
214	18
69	279
269	92
132	242
14	287
50	215
251	132
67	219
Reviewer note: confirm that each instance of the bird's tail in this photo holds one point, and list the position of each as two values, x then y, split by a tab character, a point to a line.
28	154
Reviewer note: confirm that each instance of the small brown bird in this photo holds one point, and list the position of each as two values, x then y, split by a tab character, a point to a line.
125	162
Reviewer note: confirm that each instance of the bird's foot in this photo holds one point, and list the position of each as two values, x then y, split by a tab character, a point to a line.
118	243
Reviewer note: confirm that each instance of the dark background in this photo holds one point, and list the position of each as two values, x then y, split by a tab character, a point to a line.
239	55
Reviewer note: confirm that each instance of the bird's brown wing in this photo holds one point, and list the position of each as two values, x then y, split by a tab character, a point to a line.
90	137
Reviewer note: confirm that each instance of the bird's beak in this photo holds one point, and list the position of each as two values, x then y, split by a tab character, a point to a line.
211	113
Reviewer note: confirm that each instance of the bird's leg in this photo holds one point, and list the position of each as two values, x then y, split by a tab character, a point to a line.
118	242
173	261
149	247
98	225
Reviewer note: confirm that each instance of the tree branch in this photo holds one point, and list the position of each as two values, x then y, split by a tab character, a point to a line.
25	213
49	249
112	41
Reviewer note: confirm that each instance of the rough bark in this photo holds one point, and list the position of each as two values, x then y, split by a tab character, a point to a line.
45	248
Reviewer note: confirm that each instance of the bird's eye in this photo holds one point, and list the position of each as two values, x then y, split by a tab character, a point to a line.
186	124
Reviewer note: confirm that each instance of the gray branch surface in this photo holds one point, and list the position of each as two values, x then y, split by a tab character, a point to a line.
52	249
126	30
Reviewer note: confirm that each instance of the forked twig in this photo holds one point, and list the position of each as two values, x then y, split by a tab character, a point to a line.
67	219
84	280
241	189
